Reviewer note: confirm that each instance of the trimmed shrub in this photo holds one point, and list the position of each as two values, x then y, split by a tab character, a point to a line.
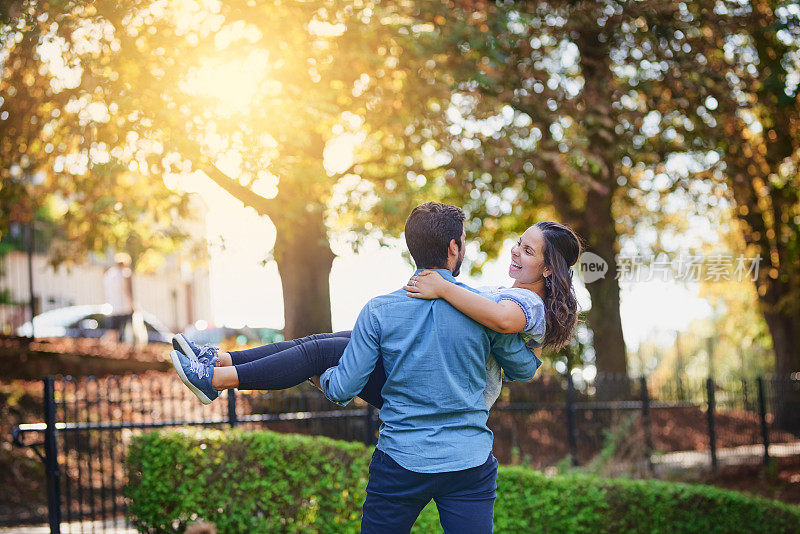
268	482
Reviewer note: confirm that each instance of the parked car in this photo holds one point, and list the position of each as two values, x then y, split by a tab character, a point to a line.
87	321
229	338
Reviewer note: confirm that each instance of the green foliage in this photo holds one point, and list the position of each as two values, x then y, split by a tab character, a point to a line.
613	438
5	296
268	482
245	482
253	94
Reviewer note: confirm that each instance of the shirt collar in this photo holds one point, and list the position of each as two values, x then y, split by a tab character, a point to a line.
446	274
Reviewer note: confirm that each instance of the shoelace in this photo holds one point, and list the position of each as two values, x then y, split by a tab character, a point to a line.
208	349
199	368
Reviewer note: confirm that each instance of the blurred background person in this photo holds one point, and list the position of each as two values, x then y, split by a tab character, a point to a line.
118	290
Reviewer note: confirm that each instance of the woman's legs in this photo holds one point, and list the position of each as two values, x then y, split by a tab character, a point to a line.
239	357
291	366
225	378
299	360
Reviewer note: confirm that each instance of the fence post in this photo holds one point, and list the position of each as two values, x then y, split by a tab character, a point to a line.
572	430
31	298
712	437
233	418
762	412
679	367
369	437
648	437
745	393
51	457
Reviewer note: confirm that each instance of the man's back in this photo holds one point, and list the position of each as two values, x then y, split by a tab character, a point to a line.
434	442
434	415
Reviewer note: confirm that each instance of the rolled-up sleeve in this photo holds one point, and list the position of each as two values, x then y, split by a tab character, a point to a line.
517	362
346	380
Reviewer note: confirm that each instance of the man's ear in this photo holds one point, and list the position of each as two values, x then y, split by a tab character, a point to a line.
453	249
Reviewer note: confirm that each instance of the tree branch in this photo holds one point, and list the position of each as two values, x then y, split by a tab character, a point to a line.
351	168
245	195
554	158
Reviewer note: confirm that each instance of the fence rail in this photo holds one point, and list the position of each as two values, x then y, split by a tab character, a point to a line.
88	425
629	420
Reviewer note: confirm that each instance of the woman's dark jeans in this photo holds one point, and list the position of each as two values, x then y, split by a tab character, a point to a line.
286	364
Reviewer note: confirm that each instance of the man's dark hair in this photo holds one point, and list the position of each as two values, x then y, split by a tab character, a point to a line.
429	229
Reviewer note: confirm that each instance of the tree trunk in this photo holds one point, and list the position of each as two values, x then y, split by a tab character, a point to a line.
597	220
604	317
784	328
302	250
304	259
785	331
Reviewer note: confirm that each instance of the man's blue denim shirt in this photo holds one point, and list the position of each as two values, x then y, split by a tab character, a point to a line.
434	415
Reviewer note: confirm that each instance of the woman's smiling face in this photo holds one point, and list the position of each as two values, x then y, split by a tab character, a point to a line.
527	257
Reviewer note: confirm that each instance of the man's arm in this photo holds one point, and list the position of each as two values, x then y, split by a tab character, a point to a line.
344	381
518	363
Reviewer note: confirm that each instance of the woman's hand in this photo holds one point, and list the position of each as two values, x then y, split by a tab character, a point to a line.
426	285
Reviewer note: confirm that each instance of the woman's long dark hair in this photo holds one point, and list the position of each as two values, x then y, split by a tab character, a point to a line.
562	248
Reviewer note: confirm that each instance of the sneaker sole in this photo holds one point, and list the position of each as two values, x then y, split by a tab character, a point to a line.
176	363
180	344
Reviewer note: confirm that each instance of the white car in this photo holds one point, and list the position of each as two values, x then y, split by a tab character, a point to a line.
87	321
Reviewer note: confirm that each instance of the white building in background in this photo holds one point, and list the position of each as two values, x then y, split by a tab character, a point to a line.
177	294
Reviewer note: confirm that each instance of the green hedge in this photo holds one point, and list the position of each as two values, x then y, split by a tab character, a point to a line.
268	482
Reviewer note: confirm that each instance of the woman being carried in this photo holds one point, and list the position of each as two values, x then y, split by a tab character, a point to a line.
540	306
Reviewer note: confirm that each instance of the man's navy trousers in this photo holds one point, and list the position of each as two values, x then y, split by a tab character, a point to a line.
396	496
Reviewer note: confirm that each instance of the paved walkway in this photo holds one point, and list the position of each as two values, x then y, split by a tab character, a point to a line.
75	527
744	454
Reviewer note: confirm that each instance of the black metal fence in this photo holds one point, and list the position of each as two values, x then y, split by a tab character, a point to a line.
89	424
622	425
613	424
